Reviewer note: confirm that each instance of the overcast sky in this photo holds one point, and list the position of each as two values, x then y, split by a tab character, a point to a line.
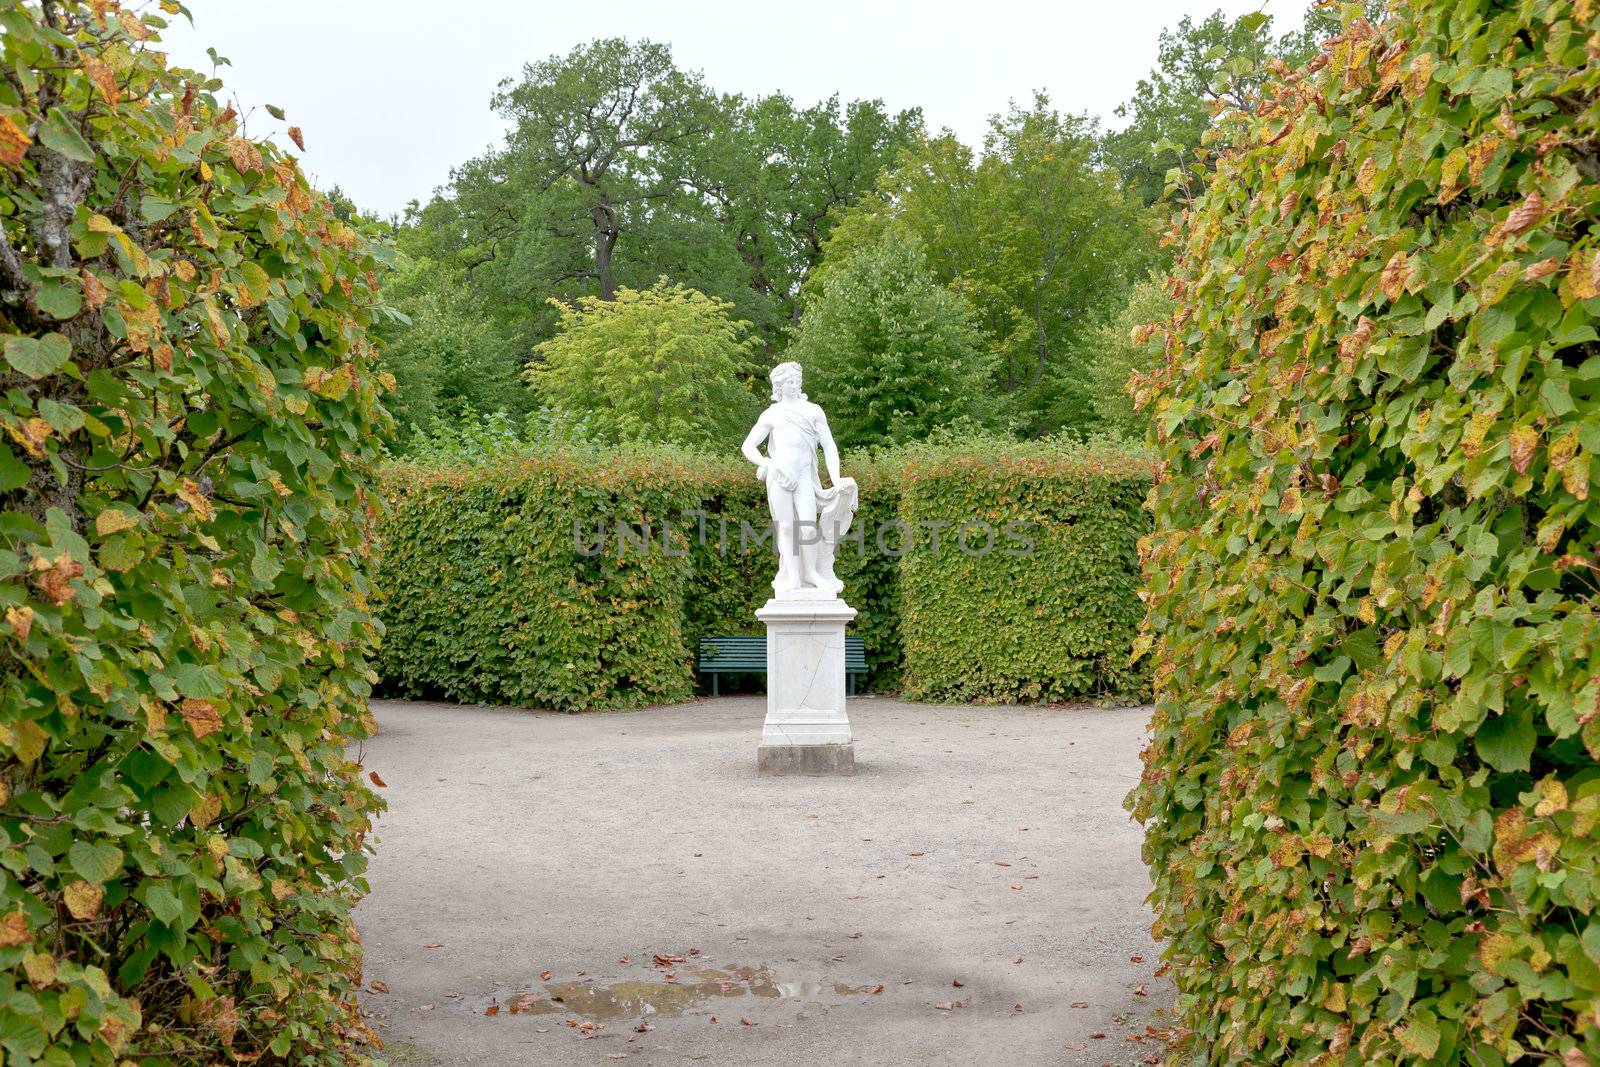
392	93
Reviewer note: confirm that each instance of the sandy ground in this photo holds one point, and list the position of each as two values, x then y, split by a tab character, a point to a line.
974	894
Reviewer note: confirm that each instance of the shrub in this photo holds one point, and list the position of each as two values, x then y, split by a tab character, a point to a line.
888	351
656	364
1372	791
1048	611
188	405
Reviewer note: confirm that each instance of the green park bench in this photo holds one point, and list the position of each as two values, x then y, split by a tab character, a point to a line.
748	655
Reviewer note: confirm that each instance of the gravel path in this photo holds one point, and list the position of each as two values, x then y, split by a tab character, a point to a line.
980	857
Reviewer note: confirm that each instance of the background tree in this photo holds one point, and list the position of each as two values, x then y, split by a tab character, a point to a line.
1202	69
188	414
1040	241
589	128
889	352
658	364
1112	355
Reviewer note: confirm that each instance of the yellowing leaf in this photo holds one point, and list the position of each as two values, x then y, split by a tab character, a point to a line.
201	716
13	142
14	929
113	520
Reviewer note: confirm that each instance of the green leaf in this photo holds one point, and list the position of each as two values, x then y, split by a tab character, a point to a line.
155	208
60	135
95	863
58	299
275	111
163	903
13	472
1505	742
37	356
197	680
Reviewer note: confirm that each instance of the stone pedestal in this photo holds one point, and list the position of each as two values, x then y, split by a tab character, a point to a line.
806	731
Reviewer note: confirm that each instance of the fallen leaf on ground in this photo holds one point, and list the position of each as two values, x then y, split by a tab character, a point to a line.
856	936
1140	992
950	1005
713	1018
434	944
1001	863
544	976
1080	1003
616	1055
915	853
1017	960
1076	1046
623	959
968	802
1016	885
745	1022
1135	958
1016	1007
877	988
376	780
694	952
379	986
1096	1036
424	1007
664	959
493	1008
523	1003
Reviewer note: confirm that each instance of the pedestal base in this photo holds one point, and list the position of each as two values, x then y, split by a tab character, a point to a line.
806	687
805	759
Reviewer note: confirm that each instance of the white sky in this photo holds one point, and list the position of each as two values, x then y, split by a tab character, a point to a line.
392	93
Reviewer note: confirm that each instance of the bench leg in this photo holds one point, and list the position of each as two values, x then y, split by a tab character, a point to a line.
715	675
851	684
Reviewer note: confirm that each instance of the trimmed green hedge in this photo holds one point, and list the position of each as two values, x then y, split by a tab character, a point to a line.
1373	790
1050	612
487	598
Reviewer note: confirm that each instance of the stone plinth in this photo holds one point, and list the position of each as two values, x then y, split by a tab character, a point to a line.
806	730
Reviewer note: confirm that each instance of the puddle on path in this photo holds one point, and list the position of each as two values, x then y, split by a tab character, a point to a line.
633	999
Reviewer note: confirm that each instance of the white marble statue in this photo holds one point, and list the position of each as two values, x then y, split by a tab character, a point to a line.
808	520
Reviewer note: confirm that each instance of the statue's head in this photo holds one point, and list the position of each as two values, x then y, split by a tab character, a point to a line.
786	382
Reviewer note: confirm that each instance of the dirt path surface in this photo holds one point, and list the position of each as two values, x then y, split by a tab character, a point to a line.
686	911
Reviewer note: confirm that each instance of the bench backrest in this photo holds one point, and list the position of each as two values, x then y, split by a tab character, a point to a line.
732	653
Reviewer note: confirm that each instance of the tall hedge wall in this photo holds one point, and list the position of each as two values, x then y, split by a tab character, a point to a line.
1042	610
188	417
1373	790
486	596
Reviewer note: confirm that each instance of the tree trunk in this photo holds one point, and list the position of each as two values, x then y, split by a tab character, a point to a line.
605	240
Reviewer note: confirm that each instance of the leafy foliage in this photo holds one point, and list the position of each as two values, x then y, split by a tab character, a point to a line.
1040	241
1113	356
1371	797
621	168
188	409
512	583
658	364
516	584
1049	613
891	352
